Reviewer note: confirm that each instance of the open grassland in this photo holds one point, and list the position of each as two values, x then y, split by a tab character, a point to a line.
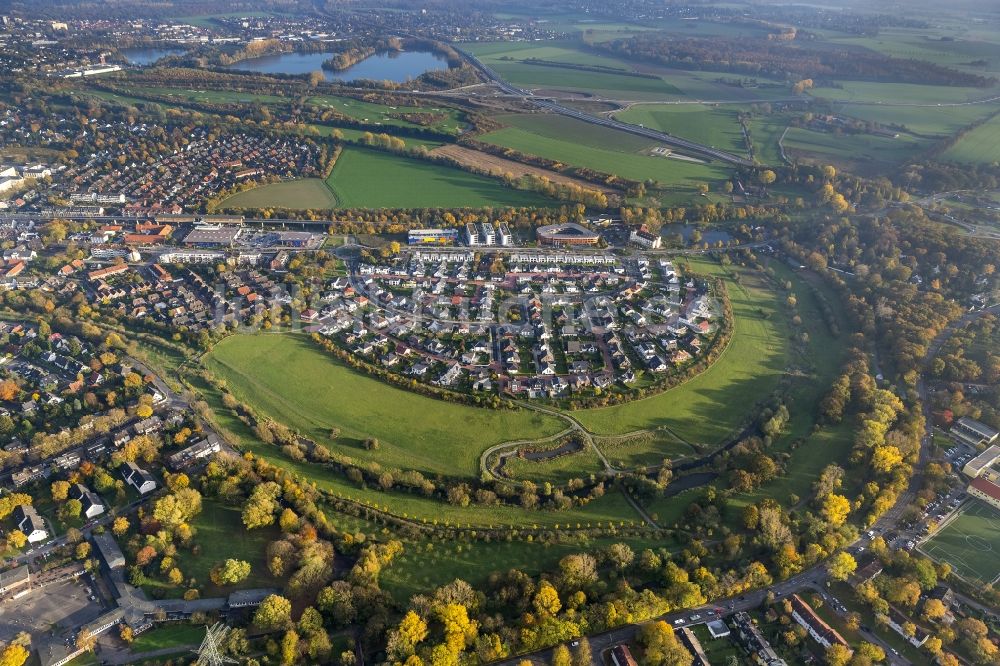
707	409
891	94
531	65
970	543
712	126
371	112
370	179
919	44
291	380
302	193
766	131
576	143
932	121
857	151
979	146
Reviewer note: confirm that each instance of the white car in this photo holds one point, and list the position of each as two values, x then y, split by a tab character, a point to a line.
679	621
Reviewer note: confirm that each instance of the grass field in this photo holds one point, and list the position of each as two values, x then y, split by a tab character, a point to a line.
371	112
513	61
576	143
858	151
303	193
900	93
766	133
708	408
970	543
290	379
981	145
713	126
369	179
179	635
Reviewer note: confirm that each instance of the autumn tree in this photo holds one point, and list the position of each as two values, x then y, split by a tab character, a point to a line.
841	565
230	572
274	613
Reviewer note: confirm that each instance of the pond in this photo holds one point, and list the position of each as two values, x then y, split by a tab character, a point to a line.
148	55
687	236
391	66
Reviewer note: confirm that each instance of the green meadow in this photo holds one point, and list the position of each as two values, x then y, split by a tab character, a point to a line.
371	179
290	379
577	143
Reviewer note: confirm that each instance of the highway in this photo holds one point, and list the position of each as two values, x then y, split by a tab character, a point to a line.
555	107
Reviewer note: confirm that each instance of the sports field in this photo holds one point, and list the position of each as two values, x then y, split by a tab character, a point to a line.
576	143
288	378
970	543
710	125
302	193
370	179
981	145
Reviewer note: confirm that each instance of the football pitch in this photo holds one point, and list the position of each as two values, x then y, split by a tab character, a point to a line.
970	543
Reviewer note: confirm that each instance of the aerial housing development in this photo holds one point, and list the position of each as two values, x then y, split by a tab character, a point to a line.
472	333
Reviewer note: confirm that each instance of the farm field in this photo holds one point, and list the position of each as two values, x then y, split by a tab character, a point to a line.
708	408
924	120
499	165
859	151
302	193
970	543
765	132
533	65
288	378
577	143
713	126
912	43
979	146
379	113
370	179
891	94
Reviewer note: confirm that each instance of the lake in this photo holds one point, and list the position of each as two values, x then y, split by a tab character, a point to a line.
148	55
392	66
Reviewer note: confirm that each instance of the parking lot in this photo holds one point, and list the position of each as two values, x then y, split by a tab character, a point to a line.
50	611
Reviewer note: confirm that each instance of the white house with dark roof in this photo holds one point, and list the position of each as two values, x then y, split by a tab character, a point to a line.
138	478
30	523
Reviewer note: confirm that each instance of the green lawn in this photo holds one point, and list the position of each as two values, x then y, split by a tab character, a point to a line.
970	543
179	635
302	193
981	145
370	179
707	409
221	535
577	143
289	378
710	125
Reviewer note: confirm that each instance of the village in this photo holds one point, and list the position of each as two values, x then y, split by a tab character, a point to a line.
536	325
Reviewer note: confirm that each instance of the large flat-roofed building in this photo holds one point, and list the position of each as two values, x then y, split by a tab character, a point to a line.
975	467
213	236
566	234
432	236
973	432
